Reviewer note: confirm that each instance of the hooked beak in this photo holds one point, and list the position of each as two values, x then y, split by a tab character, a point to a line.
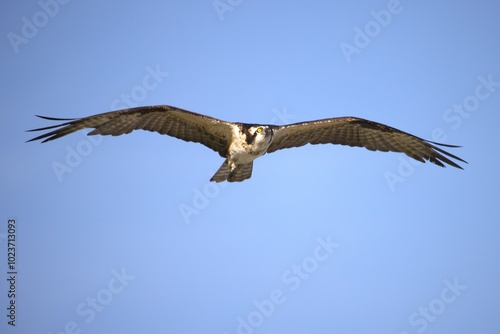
270	133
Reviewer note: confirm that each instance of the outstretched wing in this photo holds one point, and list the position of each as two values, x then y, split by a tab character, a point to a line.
360	132
167	120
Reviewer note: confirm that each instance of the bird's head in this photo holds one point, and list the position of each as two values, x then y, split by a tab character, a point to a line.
260	134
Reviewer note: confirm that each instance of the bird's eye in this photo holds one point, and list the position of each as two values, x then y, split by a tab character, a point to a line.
259	130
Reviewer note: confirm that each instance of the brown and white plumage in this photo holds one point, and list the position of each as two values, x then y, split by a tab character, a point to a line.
165	120
360	132
241	143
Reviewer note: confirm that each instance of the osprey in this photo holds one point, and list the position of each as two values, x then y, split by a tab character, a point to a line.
240	143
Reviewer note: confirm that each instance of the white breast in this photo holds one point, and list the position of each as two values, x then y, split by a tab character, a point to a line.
241	153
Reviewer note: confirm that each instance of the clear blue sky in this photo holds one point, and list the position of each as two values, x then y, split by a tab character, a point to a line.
126	234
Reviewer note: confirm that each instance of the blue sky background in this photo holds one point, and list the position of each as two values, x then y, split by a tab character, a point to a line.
126	234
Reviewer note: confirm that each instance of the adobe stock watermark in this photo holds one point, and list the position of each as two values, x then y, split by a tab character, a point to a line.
90	308
454	117
75	155
31	26
420	320
223	6
204	195
365	35
292	278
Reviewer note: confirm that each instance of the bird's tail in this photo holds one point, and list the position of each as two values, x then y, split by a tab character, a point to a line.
242	172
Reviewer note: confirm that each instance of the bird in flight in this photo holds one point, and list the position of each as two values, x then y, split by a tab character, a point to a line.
241	143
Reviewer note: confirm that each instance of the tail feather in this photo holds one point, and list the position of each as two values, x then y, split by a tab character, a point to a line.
242	172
